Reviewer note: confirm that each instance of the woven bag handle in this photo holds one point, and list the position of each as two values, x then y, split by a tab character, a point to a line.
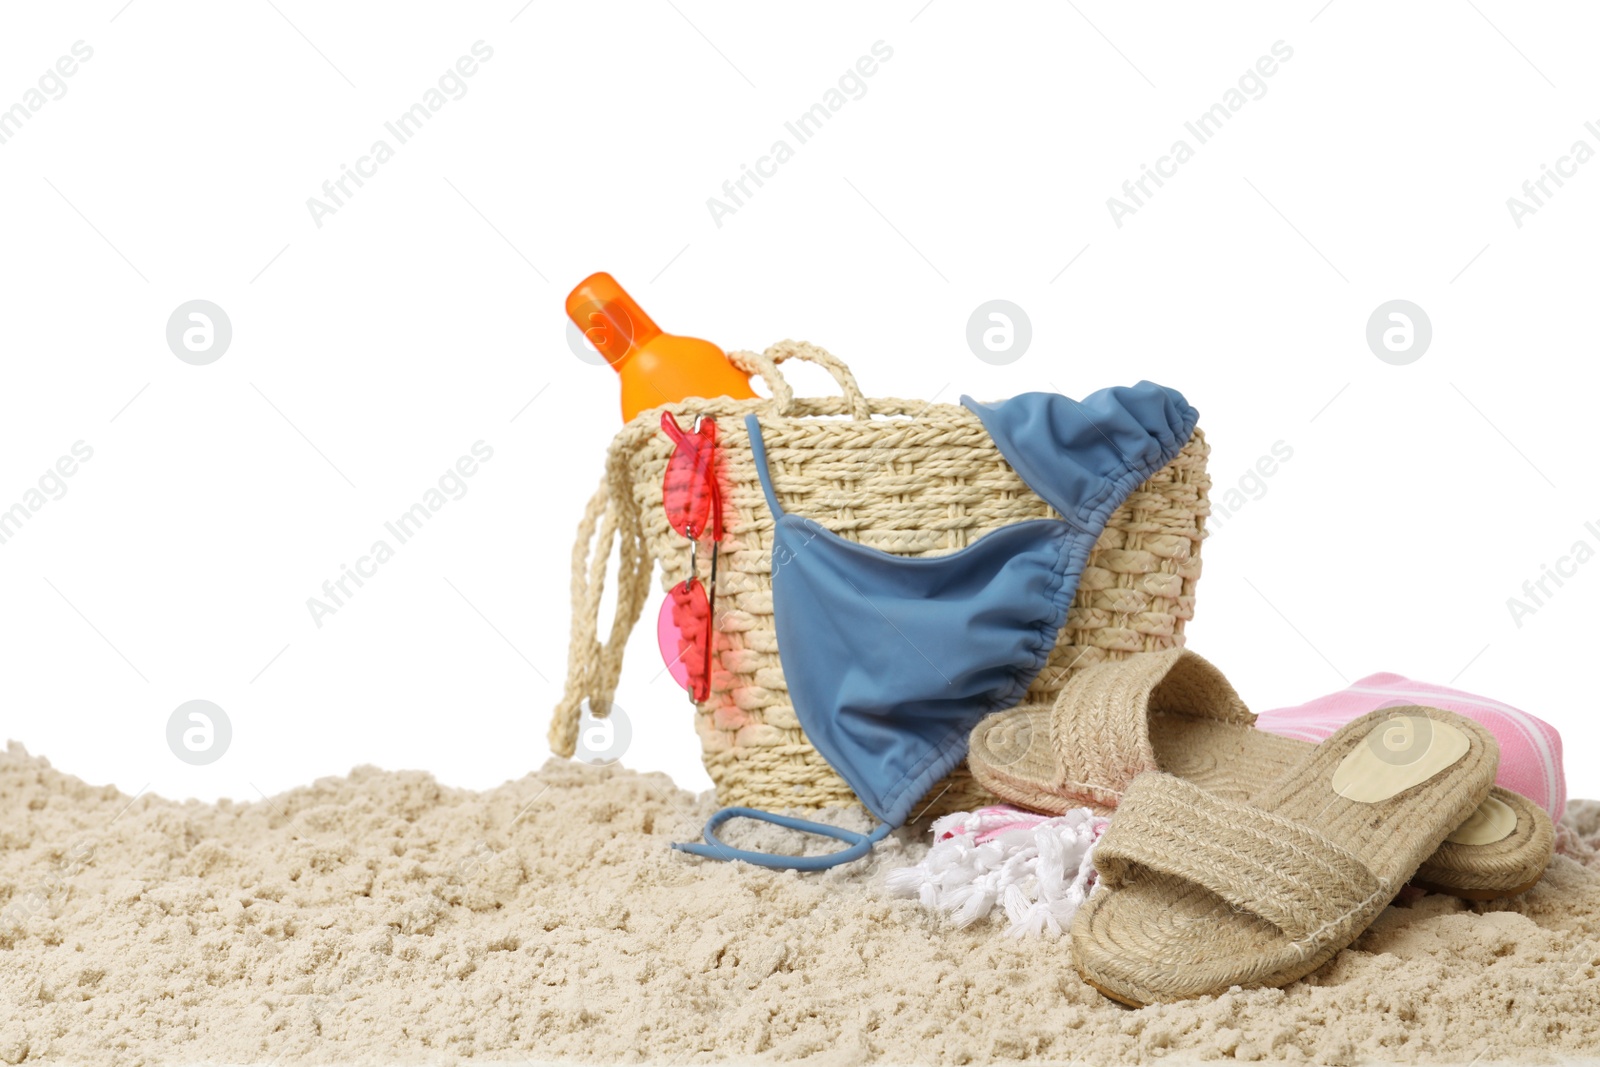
612	523
783	399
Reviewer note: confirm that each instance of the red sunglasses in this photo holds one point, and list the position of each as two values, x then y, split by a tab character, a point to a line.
693	503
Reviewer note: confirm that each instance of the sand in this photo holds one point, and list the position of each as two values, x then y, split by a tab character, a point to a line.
384	918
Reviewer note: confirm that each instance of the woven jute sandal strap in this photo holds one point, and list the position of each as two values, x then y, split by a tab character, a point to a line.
1100	724
1203	893
1270	866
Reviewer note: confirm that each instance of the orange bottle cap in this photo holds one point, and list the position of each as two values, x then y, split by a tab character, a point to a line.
609	317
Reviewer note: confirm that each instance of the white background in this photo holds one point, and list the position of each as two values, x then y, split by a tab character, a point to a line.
425	315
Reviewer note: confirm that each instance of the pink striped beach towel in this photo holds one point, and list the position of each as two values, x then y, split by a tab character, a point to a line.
1530	749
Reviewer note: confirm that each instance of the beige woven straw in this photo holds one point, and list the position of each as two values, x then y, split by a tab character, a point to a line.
1096	737
1175	712
910	477
1199	893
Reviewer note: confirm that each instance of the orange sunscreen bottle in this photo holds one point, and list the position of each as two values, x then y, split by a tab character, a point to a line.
656	368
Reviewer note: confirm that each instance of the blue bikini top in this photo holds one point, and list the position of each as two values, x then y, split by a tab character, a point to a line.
891	661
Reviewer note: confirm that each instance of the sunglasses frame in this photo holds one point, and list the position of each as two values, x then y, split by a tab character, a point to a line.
699	691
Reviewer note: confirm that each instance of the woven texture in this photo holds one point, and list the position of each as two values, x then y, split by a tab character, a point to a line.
1095	738
925	480
1530	748
1253	859
1197	896
1175	712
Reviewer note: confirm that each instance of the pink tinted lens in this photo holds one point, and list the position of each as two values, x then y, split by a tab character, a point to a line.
682	630
688	488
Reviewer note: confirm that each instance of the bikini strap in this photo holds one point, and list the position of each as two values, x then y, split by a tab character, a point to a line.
860	844
758	449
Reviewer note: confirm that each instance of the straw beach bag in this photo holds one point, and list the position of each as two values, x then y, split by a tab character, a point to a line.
909	477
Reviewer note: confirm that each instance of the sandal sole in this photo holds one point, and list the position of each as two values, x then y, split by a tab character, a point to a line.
1475	894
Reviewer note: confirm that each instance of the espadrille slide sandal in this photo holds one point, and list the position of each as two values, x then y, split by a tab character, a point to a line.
1199	893
1173	711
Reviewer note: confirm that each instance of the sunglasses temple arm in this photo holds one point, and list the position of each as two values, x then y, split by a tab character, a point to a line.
711	612
672	429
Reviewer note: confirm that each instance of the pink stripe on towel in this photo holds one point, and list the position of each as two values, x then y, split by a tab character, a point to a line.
1530	749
